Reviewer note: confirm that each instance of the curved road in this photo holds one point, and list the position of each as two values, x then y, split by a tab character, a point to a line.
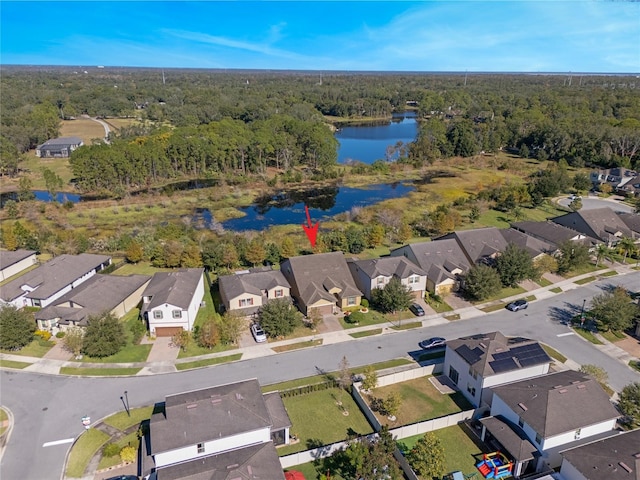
592	202
48	408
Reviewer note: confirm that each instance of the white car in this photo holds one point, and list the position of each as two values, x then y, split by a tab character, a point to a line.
258	333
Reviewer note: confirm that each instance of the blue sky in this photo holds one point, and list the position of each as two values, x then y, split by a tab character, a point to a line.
520	36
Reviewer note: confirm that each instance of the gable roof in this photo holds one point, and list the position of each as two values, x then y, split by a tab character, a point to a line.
612	458
315	275
511	437
61	142
559	402
602	223
101	293
52	276
533	246
203	415
439	258
8	258
175	288
479	243
631	220
548	231
493	353
388	267
251	282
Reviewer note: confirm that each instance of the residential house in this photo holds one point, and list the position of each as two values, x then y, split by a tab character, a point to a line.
58	147
321	282
602	224
245	292
12	263
535	247
442	260
552	233
480	245
622	180
115	294
485	360
48	282
613	458
632	221
222	432
376	273
555	412
171	301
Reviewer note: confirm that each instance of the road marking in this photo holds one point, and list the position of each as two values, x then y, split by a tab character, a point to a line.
565	334
58	442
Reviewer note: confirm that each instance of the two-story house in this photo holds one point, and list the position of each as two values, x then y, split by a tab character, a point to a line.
171	301
245	292
376	273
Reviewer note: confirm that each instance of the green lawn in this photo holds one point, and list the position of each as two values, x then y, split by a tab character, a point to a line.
505	292
316	419
296	346
366	333
122	421
12	364
357	319
128	440
439	307
37	348
586	334
140	268
4	416
543	282
460	450
556	290
129	354
310	472
83	451
553	353
612	336
207	362
585	280
407	326
99	372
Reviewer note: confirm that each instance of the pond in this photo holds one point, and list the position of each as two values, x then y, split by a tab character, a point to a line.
42	196
287	207
368	143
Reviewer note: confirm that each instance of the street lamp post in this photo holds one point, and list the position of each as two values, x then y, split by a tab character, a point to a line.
125	401
582	313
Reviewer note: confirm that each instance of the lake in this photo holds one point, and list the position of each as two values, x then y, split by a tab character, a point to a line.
368	143
287	207
42	196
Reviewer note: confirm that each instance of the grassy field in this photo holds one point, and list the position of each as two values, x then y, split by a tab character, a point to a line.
85	128
83	451
37	348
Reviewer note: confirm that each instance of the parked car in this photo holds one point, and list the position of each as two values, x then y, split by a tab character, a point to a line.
575	197
521	304
417	310
433	342
258	333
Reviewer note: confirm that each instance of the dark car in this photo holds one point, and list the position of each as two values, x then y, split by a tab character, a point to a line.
433	342
521	304
417	310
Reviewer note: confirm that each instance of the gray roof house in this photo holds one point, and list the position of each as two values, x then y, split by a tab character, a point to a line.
601	223
556	411
613	458
443	261
535	247
621	180
321	282
41	286
171	301
14	262
101	293
480	244
247	291
376	273
632	221
553	233
226	432
58	147
477	362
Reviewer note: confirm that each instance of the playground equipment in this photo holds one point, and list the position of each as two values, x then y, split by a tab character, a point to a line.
495	465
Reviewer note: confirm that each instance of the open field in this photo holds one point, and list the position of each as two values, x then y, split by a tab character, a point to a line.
85	128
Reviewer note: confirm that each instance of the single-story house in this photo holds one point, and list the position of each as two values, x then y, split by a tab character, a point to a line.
321	282
602	224
48	282
554	411
485	360
442	260
58	147
553	233
245	292
171	300
480	245
115	294
632	221
535	247
376	273
226	432
14	262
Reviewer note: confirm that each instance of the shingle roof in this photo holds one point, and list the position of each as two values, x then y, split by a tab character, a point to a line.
511	437
389	267
101	293
252	282
533	246
612	458
62	141
493	353
52	276
604	223
548	231
631	220
254	462
558	403
439	257
203	415
175	288
479	243
8	258
277	411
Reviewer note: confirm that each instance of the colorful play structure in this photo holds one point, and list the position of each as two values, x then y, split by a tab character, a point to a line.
495	465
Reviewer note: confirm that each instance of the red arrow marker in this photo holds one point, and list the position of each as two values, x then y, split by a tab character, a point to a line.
311	230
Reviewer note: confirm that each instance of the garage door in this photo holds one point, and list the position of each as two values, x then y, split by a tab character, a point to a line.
323	310
167	331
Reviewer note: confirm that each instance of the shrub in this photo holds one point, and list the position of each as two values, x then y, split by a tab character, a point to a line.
364	303
128	454
43	334
138	330
60	334
110	450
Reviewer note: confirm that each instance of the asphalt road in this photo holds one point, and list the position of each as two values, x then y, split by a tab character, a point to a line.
49	408
591	202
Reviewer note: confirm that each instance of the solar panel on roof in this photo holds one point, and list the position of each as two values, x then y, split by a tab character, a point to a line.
529	361
502	355
503	365
470	356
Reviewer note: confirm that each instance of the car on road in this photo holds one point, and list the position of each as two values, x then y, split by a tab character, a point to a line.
520	304
575	197
258	333
123	477
433	342
417	310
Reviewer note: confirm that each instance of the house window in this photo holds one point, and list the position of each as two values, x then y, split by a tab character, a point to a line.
538	439
453	375
245	302
201	448
520	422
279	293
351	301
157	314
36	302
414	279
380	280
471	390
177	314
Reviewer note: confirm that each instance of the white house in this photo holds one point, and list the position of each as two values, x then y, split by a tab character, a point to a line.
228	431
376	273
247	291
43	285
171	301
555	412
485	360
12	263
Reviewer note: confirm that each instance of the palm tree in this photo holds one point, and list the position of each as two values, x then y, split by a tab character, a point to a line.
603	253
627	246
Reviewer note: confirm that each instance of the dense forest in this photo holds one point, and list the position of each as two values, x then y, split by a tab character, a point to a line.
200	123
